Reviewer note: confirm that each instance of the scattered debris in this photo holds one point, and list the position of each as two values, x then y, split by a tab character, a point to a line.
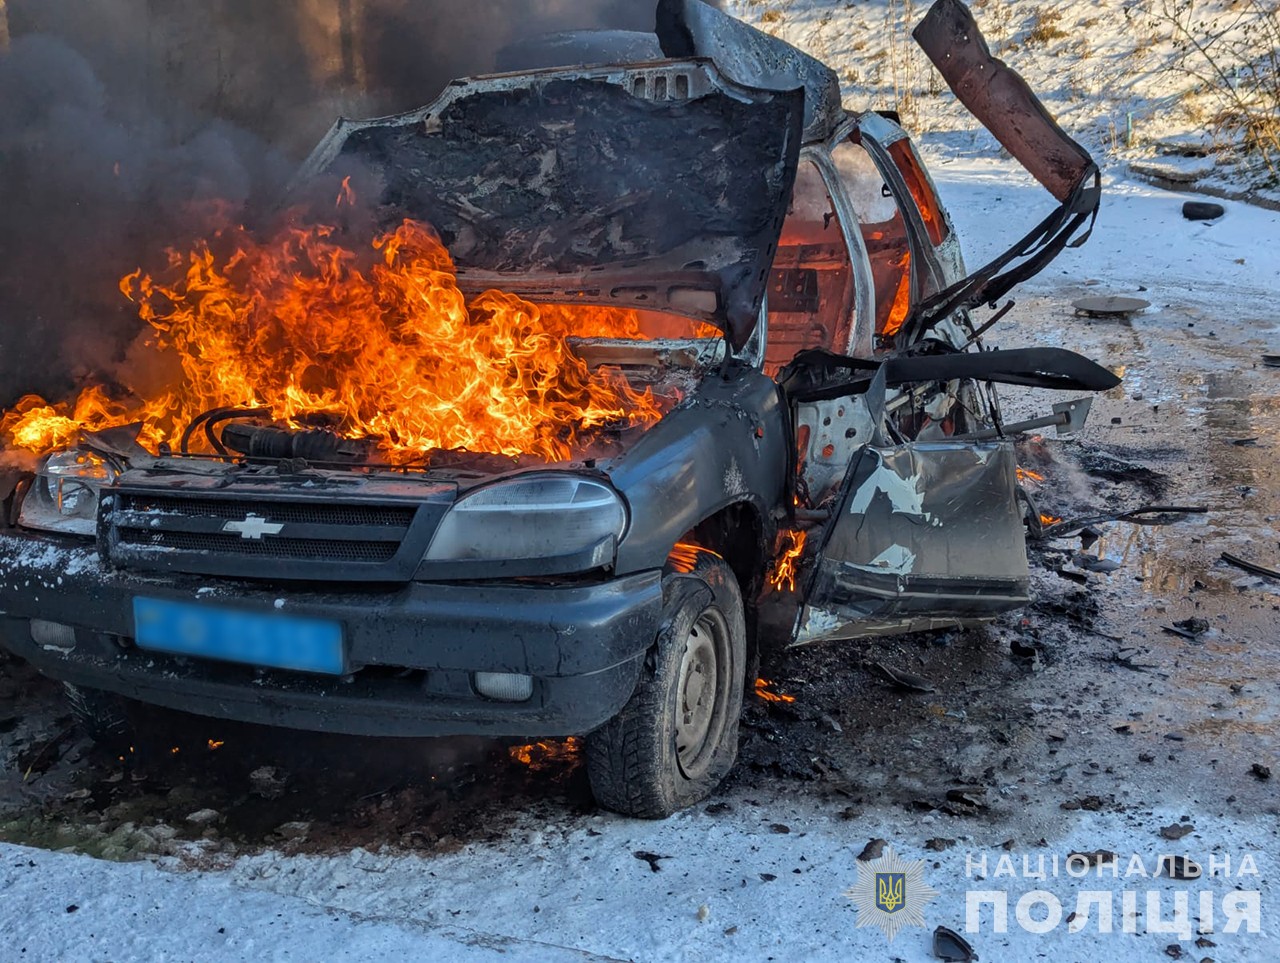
950	945
1126	661
1176	830
202	817
1173	951
1091	563
1092	804
1202	211
873	850
650	858
267	782
1099	857
1111	306
903	680
938	844
1178	867
1188	628
1259	771
1251	567
704	912
1146	515
1021	649
1271	360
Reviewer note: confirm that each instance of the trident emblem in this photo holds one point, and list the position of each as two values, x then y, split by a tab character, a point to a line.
890	891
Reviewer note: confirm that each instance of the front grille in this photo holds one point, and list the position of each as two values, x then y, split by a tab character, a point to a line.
293	548
320	513
312	538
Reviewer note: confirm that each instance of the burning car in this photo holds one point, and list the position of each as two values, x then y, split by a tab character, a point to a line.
638	353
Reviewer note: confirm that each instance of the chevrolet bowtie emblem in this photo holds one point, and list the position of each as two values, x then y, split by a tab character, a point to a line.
253	526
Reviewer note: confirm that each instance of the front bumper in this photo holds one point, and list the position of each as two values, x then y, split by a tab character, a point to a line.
411	649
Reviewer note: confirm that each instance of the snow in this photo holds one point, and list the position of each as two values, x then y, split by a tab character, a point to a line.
1140	240
575	890
60	907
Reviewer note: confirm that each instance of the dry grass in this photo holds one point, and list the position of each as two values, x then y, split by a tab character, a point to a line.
1236	64
1044	28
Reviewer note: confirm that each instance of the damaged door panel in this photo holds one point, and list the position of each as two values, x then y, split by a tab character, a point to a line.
924	534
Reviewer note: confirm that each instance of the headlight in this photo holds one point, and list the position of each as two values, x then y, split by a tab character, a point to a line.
64	495
539	516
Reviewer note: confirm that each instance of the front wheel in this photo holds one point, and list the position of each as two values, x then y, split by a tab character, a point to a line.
677	737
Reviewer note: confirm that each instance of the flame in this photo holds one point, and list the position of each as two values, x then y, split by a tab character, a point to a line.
216	744
538	755
1047	520
1026	474
901	299
684	556
764	691
378	344
787	563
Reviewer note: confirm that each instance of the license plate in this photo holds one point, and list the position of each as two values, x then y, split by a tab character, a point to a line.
273	640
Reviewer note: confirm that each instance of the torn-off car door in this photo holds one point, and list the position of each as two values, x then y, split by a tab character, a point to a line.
923	534
919	534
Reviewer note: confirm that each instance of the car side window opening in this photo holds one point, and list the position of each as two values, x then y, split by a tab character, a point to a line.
811	284
884	233
927	203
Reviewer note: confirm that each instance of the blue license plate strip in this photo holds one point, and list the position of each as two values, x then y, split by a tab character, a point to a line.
272	640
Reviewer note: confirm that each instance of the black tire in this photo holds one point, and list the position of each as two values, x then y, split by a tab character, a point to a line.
104	716
671	745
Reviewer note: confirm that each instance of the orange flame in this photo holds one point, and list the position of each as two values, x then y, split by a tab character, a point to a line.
765	692
1026	474
1047	520
379	345
538	755
901	299
787	564
684	556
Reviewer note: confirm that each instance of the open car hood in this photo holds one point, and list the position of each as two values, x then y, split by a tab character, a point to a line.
661	186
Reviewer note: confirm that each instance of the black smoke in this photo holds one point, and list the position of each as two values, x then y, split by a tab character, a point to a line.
125	124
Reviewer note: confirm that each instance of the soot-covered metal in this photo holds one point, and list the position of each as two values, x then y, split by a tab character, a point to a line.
583	180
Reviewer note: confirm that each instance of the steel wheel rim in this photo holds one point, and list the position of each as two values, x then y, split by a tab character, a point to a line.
702	688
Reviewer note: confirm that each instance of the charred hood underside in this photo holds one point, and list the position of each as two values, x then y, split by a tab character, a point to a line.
593	184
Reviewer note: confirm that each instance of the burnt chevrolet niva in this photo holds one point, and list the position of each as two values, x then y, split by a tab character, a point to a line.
829	445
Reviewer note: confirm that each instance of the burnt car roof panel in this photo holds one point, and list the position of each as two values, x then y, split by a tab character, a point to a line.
592	174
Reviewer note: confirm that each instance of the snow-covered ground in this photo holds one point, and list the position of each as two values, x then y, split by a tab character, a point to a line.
729	887
1116	73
